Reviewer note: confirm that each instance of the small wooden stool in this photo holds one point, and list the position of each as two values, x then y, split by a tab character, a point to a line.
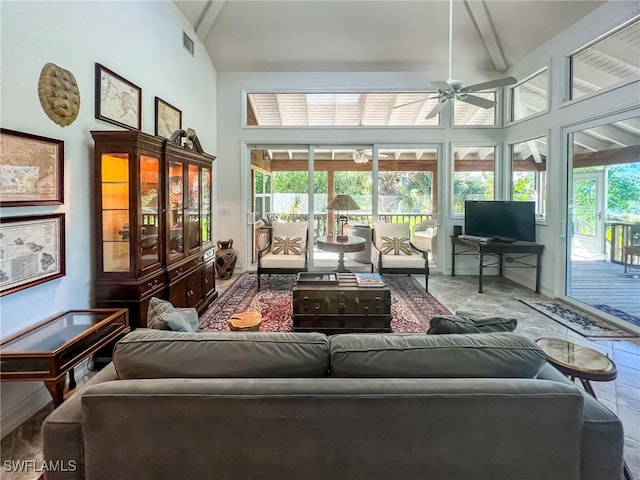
245	321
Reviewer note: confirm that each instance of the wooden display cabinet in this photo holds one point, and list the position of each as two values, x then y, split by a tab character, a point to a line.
153	222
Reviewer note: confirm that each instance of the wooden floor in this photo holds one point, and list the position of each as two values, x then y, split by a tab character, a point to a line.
604	283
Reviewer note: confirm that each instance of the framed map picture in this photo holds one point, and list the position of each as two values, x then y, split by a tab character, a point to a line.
168	118
118	101
31	169
31	251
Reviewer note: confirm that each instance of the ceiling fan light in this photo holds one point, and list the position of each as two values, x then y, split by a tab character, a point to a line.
360	157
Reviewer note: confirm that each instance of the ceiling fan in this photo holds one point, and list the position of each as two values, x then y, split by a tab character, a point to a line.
360	155
455	90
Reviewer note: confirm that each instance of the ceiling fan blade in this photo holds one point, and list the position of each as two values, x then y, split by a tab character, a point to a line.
409	103
436	110
477	101
442	86
500	82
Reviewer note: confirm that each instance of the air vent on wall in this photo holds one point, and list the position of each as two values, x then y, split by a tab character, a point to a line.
188	43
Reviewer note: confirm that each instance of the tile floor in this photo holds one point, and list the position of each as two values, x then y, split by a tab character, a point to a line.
500	297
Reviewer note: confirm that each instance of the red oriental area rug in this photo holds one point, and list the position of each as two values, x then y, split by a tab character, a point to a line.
411	306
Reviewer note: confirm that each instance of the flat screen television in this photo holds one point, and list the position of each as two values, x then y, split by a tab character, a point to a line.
508	220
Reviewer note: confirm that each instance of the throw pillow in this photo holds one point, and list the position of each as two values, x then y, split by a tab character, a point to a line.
162	315
395	246
441	324
468	322
488	323
287	246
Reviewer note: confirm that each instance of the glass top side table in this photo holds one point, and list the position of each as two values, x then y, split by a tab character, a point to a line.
52	348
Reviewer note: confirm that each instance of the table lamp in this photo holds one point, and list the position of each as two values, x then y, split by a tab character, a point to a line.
342	202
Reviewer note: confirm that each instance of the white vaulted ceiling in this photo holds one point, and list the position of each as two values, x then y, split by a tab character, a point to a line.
376	35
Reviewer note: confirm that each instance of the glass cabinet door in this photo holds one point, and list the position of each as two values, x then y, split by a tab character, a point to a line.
149	189
175	217
115	212
206	205
193	210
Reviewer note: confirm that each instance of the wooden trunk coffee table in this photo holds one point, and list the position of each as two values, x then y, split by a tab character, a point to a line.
341	308
52	348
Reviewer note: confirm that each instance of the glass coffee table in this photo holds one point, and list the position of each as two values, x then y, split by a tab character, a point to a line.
52	348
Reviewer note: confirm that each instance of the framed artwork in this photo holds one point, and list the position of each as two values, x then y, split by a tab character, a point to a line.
31	169
31	251
168	118
118	101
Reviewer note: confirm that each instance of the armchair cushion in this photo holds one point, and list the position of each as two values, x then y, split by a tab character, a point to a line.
392	238
288	238
287	246
395	246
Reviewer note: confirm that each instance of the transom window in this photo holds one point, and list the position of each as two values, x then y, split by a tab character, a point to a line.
612	60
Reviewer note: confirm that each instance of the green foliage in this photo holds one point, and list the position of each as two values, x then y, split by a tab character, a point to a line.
290	182
524	187
471	186
623	195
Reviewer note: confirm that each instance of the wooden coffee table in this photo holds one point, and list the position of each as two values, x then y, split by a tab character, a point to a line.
341	308
52	348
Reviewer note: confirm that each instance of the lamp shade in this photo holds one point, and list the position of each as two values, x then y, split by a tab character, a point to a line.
343	202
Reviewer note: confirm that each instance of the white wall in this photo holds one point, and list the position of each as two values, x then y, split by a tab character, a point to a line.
141	41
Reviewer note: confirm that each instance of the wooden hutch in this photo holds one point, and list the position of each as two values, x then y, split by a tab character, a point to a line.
153	214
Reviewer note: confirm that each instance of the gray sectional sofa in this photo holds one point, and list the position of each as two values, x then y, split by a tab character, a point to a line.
304	406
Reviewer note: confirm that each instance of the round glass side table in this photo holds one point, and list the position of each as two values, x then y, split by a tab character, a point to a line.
578	361
584	363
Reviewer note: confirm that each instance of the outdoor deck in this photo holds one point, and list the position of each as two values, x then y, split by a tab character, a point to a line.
603	283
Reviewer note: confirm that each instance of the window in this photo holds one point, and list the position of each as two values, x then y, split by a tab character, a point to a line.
473	175
466	114
529	173
341	109
405	184
530	96
609	61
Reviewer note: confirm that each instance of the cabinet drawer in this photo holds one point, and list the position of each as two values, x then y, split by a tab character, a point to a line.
153	283
177	271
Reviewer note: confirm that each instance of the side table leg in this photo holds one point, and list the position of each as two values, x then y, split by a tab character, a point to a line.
341	268
56	389
72	380
480	268
538	268
453	257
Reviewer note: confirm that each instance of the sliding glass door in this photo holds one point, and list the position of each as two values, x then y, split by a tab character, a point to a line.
603	217
295	183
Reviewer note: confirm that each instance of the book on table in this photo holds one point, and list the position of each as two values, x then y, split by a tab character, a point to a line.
369	280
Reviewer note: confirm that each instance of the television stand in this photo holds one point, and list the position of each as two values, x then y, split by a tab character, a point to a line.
496	251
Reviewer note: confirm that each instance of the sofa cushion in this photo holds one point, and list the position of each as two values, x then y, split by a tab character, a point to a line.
146	353
162	315
484	355
469	322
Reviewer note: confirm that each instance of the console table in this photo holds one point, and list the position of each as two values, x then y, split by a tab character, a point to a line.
52	348
496	251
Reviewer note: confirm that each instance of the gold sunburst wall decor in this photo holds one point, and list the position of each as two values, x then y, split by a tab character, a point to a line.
59	94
